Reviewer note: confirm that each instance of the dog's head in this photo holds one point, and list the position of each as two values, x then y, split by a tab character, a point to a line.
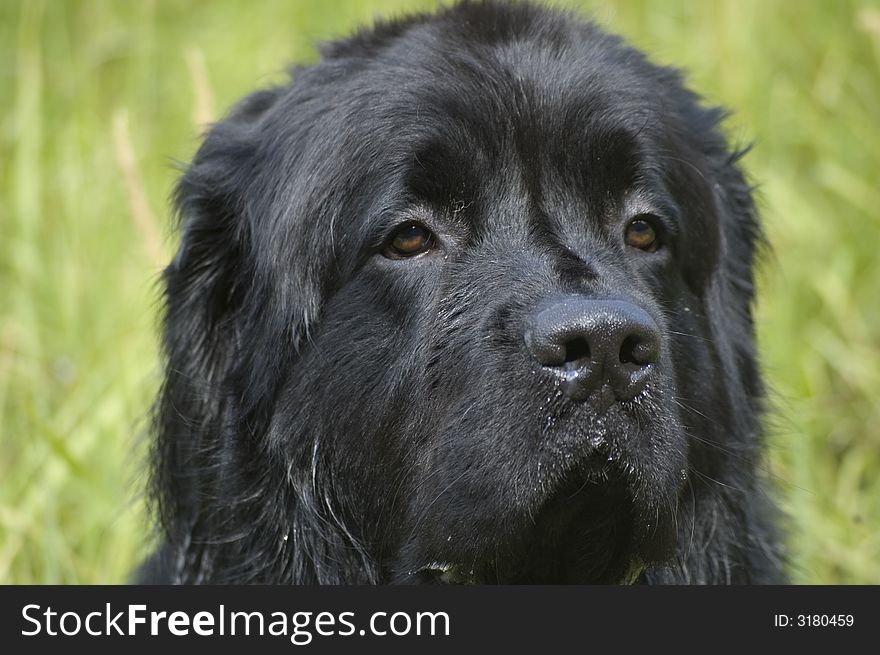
461	303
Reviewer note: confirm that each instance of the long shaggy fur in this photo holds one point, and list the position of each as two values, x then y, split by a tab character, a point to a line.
330	415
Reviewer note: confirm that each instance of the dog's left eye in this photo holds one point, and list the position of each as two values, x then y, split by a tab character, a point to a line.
641	234
409	240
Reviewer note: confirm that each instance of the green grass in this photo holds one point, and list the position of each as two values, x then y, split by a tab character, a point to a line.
83	231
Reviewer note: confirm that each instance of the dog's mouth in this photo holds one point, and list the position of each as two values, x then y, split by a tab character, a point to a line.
451	574
448	574
588	533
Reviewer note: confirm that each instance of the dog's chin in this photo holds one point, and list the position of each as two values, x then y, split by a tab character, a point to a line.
588	532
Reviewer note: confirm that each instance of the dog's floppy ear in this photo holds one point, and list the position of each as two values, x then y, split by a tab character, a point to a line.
204	288
238	304
729	305
741	244
739	237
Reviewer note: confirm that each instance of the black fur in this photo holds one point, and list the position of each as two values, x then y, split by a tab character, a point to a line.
333	415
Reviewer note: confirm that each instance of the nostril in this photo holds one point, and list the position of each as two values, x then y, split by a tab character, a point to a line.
577	351
637	352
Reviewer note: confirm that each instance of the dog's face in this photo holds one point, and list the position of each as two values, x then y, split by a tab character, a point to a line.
469	290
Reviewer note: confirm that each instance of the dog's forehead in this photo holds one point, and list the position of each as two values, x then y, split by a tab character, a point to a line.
515	120
514	90
565	128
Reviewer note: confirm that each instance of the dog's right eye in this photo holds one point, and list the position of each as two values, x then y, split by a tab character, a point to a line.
409	240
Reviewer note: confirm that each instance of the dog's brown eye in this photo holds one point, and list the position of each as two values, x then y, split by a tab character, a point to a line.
409	240
642	235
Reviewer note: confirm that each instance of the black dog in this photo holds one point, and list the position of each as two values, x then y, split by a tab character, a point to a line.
468	301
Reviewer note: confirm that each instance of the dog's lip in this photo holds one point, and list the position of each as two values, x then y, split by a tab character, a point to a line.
444	573
449	569
449	574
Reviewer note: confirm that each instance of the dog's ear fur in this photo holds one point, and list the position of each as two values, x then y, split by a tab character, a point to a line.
760	557
231	335
729	308
204	287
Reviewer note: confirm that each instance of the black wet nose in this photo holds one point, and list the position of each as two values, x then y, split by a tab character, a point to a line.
590	342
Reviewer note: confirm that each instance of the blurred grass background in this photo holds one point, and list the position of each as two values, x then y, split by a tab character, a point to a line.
98	100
